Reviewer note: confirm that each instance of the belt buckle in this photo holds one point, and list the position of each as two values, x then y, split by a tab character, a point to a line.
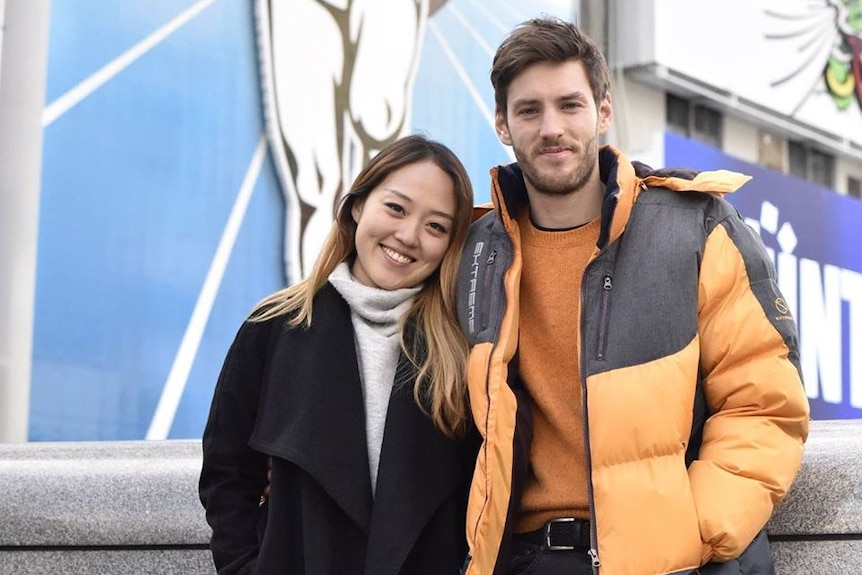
548	535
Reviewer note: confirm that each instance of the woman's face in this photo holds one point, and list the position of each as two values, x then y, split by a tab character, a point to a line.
403	227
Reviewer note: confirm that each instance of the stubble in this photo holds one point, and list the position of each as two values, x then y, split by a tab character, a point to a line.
557	181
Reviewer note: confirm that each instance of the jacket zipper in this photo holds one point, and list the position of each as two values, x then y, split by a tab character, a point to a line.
485	440
594	543
483	321
604	316
485	310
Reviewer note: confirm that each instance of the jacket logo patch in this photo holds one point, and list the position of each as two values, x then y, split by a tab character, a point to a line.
783	310
474	281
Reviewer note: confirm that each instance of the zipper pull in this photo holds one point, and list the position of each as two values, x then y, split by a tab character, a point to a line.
491	257
594	558
608	285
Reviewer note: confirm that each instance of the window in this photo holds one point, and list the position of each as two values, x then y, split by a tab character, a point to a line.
707	126
811	164
771	151
677	114
694	120
821	168
854	187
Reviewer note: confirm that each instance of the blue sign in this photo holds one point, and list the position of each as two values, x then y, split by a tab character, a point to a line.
163	215
812	234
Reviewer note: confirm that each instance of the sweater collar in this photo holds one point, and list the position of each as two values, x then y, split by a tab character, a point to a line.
509	193
381	308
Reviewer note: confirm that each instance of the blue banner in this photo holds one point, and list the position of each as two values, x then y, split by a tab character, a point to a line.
808	230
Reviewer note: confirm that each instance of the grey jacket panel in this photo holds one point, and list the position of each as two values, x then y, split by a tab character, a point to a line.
761	274
639	296
481	296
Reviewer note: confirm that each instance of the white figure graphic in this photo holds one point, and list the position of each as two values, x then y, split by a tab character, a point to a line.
338	78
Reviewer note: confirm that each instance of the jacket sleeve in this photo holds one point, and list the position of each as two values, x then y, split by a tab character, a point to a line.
752	441
234	475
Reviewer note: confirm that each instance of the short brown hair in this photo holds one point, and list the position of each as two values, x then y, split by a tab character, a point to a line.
546	40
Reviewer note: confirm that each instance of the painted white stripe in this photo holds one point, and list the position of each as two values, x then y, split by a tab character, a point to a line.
74	96
163	418
473	32
516	14
491	17
468	83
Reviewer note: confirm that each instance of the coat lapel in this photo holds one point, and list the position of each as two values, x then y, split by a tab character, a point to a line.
312	412
419	470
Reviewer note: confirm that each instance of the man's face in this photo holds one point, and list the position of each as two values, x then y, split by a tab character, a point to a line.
552	124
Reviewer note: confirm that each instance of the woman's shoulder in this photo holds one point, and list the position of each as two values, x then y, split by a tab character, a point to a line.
254	334
267	319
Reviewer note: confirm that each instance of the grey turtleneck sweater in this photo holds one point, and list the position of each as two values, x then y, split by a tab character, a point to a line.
375	313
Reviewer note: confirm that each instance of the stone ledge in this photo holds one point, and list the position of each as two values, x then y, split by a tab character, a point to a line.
92	494
132	507
108	562
826	498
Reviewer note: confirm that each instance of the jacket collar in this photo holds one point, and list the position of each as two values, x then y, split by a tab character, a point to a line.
624	181
419	470
509	193
312	410
324	434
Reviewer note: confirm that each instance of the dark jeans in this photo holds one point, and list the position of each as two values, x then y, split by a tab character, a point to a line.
531	559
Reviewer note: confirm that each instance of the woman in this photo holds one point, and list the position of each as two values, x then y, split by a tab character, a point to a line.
360	407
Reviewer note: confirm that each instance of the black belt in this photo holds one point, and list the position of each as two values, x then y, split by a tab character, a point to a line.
560	535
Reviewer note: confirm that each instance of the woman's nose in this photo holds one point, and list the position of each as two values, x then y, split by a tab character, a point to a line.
408	232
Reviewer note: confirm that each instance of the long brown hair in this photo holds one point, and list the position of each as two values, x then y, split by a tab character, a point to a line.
439	348
546	40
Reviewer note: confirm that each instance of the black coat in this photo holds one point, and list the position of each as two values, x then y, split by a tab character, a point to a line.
295	394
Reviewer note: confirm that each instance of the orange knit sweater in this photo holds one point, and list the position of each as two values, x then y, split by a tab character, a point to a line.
554	263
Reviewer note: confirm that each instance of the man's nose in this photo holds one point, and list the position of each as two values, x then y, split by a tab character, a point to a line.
552	125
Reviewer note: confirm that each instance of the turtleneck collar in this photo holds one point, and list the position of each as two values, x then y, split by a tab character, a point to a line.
378	307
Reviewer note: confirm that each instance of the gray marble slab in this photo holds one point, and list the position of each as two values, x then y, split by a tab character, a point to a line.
826	497
105	562
117	493
817	557
132	507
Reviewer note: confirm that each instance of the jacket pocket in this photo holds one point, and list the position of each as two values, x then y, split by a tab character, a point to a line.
263	511
487	279
755	560
757	557
604	316
727	568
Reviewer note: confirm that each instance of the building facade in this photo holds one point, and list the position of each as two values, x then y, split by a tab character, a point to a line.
192	152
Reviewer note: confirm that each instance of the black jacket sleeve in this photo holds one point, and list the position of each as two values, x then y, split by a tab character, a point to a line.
234	475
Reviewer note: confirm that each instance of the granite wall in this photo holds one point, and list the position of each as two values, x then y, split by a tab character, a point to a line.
132	507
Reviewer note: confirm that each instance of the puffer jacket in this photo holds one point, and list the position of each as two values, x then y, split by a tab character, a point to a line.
694	410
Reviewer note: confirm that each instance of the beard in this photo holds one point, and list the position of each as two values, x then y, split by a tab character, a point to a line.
558	181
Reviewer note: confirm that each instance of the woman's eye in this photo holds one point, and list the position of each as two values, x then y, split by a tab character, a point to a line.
439	228
397	208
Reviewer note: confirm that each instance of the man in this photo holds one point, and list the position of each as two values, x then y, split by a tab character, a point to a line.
632	374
